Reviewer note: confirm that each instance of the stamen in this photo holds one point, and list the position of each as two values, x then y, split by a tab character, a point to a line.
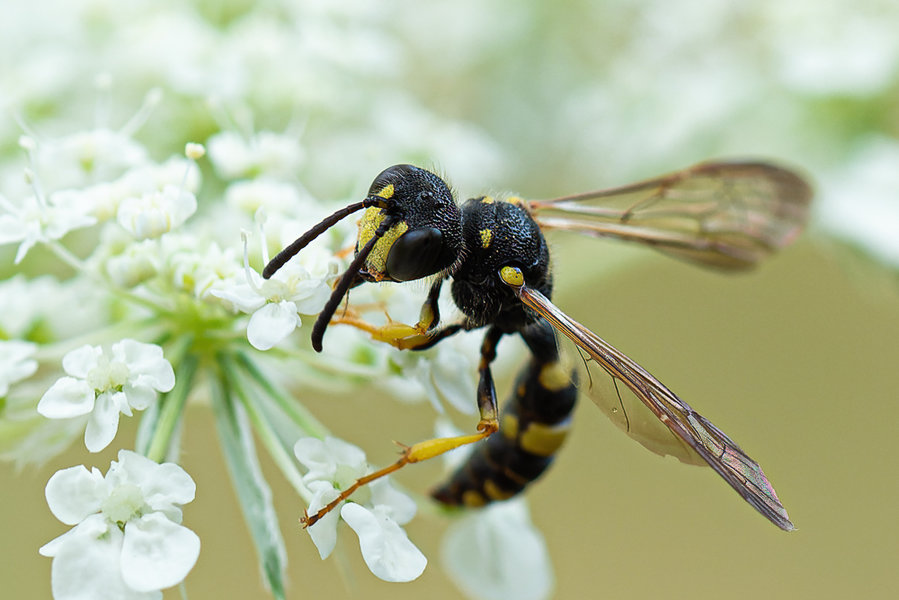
152	98
244	235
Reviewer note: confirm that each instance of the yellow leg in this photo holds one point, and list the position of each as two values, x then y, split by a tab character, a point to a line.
411	454
405	337
398	335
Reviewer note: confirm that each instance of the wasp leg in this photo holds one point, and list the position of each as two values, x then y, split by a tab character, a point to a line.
420	336
535	422
435	447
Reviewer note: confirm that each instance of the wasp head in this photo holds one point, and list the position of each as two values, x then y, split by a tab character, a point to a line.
426	235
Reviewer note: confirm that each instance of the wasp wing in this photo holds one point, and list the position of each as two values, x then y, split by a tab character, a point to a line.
627	411
714	446
722	214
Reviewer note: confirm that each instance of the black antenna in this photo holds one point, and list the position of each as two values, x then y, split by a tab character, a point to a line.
301	242
346	280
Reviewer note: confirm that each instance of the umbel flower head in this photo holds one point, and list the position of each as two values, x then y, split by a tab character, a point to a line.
127	541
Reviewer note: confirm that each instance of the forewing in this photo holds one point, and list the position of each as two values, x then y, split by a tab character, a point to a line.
723	214
695	431
628	412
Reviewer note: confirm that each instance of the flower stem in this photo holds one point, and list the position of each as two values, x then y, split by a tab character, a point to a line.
173	408
263	426
296	411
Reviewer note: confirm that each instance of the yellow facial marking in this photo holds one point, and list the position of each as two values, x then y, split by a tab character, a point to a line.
543	440
486	238
386	192
376	263
554	377
512	276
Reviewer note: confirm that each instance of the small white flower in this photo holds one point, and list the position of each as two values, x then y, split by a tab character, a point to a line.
497	553
269	153
375	512
153	213
135	264
103	386
127	541
36	221
248	196
84	157
275	304
15	363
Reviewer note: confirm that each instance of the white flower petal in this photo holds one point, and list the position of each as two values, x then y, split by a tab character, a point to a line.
395	504
385	547
103	423
67	398
497	553
240	294
80	361
157	553
139	397
11	229
311	296
169	485
86	567
271	324
15	363
74	493
324	531
323	458
453	382
163	486
146	363
53	547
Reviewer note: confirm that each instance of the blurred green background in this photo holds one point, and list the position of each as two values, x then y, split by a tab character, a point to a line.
797	361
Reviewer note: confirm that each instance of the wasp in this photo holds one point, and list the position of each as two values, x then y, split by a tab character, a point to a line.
725	215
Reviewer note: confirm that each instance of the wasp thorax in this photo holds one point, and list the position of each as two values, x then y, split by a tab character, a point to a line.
426	237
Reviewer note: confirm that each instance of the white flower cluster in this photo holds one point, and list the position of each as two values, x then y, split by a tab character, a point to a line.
117	241
127	541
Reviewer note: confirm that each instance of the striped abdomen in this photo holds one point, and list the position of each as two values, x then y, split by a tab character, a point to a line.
533	425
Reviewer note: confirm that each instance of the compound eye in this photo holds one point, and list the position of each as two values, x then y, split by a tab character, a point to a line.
416	254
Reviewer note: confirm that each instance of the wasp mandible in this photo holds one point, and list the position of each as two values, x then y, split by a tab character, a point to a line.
727	215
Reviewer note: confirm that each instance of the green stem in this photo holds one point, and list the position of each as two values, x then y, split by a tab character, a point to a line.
173	407
298	413
285	461
67	257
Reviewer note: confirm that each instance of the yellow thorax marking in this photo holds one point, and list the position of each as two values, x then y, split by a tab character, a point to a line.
486	238
386	192
487	200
